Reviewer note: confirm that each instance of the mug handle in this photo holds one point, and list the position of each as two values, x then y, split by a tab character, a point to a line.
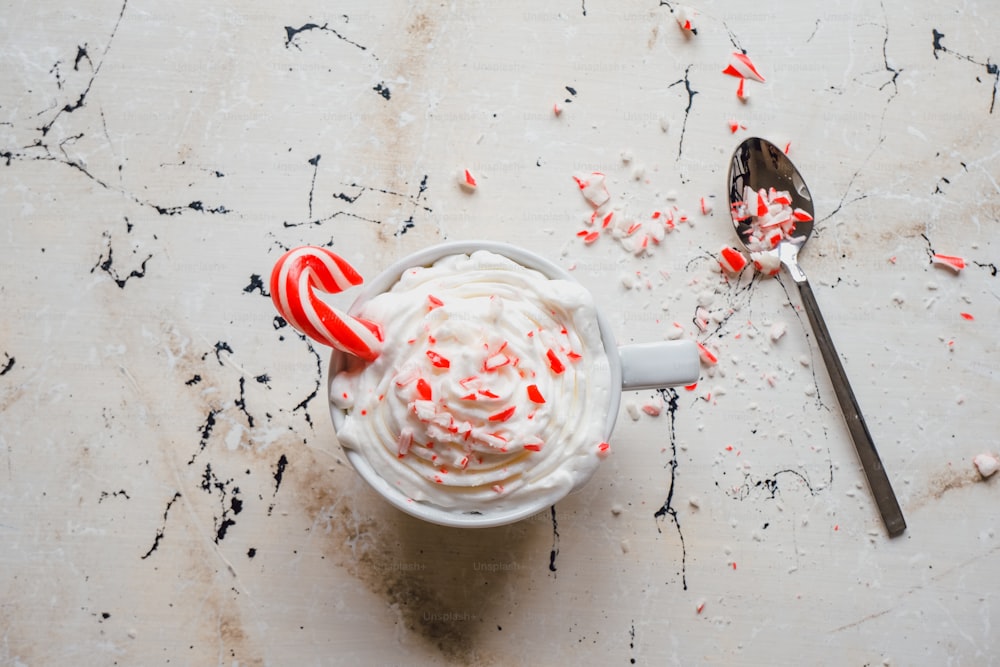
661	364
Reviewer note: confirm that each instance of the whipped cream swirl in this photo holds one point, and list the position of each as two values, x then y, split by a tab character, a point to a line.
491	390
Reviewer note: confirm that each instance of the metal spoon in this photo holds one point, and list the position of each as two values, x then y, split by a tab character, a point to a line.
760	164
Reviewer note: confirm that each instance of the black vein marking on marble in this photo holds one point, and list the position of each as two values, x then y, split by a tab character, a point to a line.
631	642
383	89
415	201
813	33
279	474
114	494
264	379
314	161
304	404
555	540
687	110
229	501
279	323
405	226
193	206
106	264
769	487
894	73
991	68
162	529
220	347
251	552
291	36
8	364
256	284
583	6
983	265
81	53
671	398
195	379
206	433
572	91
241	402
45	154
844	201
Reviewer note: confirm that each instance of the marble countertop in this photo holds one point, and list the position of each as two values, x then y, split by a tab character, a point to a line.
171	488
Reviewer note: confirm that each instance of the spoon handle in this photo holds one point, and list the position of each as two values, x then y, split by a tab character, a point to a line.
871	463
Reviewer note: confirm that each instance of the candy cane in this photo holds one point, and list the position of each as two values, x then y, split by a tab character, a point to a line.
293	278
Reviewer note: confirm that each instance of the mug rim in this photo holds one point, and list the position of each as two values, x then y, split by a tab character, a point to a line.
384	281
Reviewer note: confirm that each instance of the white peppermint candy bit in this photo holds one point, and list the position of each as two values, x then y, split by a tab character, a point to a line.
986	464
592	188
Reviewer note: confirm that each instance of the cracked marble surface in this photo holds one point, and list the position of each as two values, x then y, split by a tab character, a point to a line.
171	489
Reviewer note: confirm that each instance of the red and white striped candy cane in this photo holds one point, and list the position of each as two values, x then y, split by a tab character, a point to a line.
293	278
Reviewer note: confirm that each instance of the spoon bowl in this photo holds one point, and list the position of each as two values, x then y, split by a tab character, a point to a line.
759	164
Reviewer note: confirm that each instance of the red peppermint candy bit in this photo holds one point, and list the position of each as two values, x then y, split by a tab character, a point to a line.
434	301
607	219
691	387
496	361
954	263
503	415
555	364
603	450
468	397
437	360
487	393
534	395
707	356
574	356
801	216
732	260
967	316
423	389
498	488
591	237
533	447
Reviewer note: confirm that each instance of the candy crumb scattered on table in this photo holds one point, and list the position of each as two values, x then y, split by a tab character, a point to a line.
986	464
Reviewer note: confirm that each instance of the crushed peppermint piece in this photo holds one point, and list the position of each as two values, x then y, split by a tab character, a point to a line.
967	316
778	330
986	464
705	204
742	67
707	356
685	18
534	395
731	260
437	360
603	450
592	188
767	263
952	262
467	181
404	441
555	363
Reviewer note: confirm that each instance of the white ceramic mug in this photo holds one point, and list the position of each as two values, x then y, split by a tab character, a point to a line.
632	367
